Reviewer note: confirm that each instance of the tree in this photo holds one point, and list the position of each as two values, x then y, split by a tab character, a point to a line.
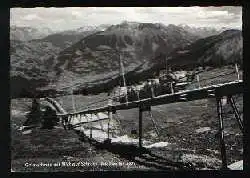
49	118
34	115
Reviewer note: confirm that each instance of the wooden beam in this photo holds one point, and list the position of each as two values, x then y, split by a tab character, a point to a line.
236	112
221	134
140	127
91	128
110	118
226	89
87	122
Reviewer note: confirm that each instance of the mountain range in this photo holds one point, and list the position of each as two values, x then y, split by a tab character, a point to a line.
28	33
217	50
88	58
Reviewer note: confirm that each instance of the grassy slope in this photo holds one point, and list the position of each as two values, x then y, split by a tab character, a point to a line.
53	146
177	121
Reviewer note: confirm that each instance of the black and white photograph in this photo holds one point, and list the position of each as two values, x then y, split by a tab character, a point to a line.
126	88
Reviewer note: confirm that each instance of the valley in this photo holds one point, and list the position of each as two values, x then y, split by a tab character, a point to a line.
189	129
80	68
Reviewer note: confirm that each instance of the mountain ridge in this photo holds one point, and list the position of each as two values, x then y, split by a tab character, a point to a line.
92	61
224	48
136	43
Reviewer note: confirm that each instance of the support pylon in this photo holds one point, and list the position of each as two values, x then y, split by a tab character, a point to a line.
237	72
236	112
140	126
110	117
221	134
154	123
90	134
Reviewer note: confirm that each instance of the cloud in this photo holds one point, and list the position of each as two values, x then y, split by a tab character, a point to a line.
74	17
236	10
30	17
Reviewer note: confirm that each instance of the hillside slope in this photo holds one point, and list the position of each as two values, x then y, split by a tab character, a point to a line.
65	39
28	33
89	61
33	53
225	48
28	65
95	58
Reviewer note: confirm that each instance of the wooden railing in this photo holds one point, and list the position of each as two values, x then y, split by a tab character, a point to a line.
212	91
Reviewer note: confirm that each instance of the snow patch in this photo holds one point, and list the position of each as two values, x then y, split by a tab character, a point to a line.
236	166
183	52
78	52
157	145
27	132
103	47
125	139
23	128
200	158
97	135
203	129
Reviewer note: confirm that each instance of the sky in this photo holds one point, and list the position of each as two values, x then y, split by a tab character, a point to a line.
74	17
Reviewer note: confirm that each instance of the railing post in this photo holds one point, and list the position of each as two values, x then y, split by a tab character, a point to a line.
221	133
140	126
69	122
108	127
171	87
138	94
90	134
81	122
110	114
237	71
198	80
154	123
64	122
152	90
